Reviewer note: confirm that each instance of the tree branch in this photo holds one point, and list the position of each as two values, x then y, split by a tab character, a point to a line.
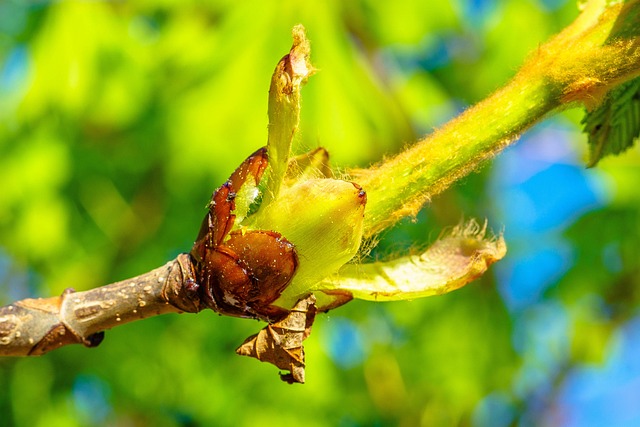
266	258
36	326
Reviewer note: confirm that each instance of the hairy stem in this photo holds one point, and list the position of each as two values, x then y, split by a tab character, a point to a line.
400	186
598	51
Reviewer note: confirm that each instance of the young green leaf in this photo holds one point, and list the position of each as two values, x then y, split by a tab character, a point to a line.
450	263
614	125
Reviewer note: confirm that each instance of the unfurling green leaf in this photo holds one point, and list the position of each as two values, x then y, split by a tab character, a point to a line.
449	264
614	125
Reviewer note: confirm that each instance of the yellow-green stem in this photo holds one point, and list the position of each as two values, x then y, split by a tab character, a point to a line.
451	152
598	51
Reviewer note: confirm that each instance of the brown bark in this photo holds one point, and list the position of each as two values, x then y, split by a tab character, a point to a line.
36	326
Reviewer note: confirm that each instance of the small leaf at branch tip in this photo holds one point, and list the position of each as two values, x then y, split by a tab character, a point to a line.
450	263
314	164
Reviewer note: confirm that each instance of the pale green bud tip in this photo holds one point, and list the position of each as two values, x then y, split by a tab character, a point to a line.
284	107
323	218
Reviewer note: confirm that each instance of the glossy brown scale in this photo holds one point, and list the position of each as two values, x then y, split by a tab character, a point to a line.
241	272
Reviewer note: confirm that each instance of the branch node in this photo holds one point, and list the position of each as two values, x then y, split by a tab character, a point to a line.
58	336
181	286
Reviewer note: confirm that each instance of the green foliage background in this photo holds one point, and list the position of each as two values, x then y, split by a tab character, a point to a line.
127	115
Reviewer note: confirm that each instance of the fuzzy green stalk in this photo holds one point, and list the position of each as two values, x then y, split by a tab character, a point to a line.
600	50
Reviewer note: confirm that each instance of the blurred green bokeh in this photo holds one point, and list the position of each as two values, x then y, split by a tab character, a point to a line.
118	120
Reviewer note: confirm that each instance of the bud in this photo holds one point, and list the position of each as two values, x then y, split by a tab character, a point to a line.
323	219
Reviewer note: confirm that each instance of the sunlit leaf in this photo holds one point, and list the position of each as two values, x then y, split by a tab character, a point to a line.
450	263
614	126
